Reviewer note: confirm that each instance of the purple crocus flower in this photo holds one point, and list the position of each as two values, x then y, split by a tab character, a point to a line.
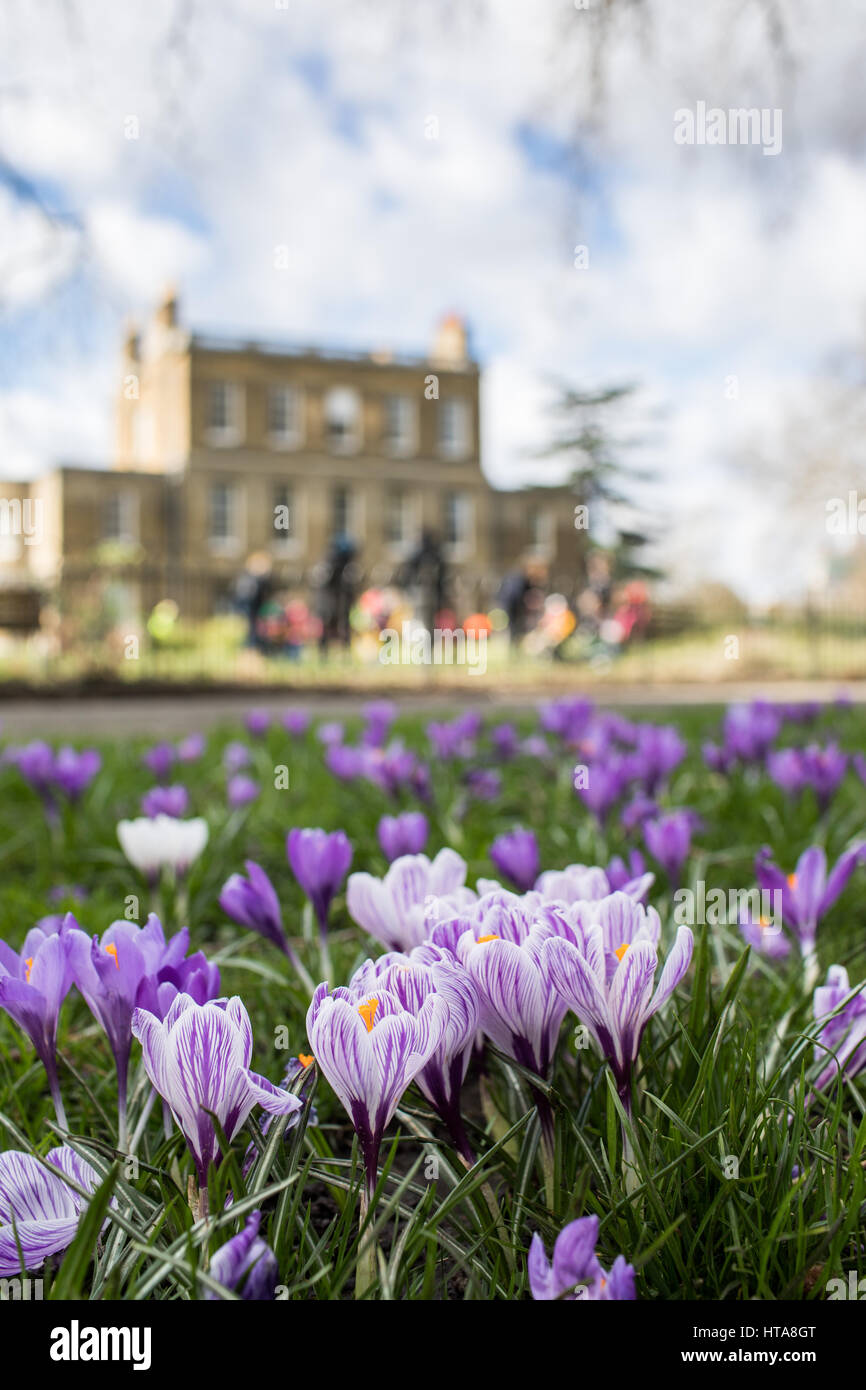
191	748
567	718
370	1051
483	783
635	812
111	974
605	784
171	971
575	1272
669	841
843	1037
198	1060
73	772
498	939
296	722
604	970
159	760
257	722
252	902
785	767
588	883
66	773
319	862
660	749
33	986
505	740
165	801
825	769
245	1264
516	856
808	892
344	762
241	791
35	762
330	732
380	715
822	769
764	937
403	834
717	757
411	978
38	1210
236	756
621	874
452	741
392	908
749	730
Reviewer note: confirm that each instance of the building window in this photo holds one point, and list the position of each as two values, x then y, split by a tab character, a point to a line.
341	507
285	527
224	517
224	413
398	519
457	519
400	417
540	525
120	517
284	415
343	419
454	428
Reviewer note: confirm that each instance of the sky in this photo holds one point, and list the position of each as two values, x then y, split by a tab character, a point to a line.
434	158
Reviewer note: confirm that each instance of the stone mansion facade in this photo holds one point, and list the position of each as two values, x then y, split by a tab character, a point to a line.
224	448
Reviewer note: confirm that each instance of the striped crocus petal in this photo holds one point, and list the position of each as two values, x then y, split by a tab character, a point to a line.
38	1211
675	967
518	1012
392	909
198	1060
623	922
580	981
370	1050
246	1264
616	1009
629	1000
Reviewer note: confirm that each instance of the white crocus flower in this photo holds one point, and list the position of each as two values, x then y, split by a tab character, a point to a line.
152	844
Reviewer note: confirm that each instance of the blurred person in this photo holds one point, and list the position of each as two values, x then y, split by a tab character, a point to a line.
521	596
425	576
335	592
252	592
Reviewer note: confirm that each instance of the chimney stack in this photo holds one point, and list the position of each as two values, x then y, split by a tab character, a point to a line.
166	311
451	343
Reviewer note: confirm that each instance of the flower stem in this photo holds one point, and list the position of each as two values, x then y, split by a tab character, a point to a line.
548	1146
54	1087
325	954
630	1175
365	1271
300	970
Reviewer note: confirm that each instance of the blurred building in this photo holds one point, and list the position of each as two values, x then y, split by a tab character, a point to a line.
224	448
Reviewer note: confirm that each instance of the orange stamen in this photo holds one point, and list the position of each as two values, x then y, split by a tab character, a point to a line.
111	950
491	937
368	1012
792	881
306	1059
621	950
29	964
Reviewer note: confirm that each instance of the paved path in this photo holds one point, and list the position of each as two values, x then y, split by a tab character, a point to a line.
178	714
